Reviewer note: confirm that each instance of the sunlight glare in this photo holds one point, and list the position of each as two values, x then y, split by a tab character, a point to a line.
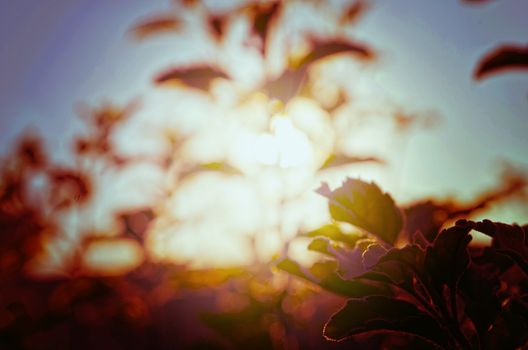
293	145
285	146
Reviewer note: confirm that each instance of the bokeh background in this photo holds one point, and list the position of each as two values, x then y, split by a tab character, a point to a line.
240	187
57	54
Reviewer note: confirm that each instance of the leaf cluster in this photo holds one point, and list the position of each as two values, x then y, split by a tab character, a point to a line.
436	287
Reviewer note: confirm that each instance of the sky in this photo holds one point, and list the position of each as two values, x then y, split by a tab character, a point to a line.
57	53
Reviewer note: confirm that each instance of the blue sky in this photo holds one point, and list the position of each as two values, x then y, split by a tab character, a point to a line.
54	54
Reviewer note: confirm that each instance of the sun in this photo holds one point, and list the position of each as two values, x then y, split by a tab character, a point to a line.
284	146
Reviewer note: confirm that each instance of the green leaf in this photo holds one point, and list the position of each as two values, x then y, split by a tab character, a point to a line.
364	205
350	261
322	246
380	313
334	233
219	167
340	159
327	278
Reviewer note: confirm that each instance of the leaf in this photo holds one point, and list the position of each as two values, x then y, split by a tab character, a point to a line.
478	288
264	15
380	313
509	240
340	159
69	187
372	255
350	261
364	205
286	86
400	266
334	233
353	12
220	167
447	259
425	217
30	151
216	25
324	48
321	245
197	76
328	279
501	59
155	25
135	223
510	329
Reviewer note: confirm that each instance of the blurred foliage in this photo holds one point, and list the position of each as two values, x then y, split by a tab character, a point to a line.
411	278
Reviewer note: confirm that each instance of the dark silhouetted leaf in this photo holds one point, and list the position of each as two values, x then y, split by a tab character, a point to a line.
198	76
510	329
478	288
502	59
509	240
448	257
379	313
323	48
399	266
156	25
217	26
263	17
30	151
353	12
364	205
425	217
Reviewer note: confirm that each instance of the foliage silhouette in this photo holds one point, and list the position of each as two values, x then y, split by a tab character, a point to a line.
442	290
411	279
501	59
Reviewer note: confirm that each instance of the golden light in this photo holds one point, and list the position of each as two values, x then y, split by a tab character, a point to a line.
221	216
293	145
286	146
112	256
